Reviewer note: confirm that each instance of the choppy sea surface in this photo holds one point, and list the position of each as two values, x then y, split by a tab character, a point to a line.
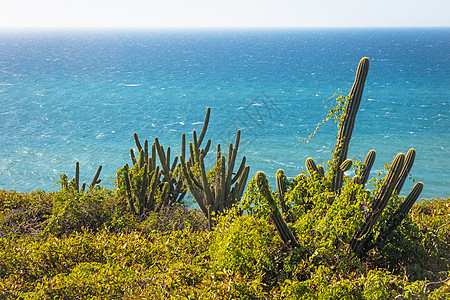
79	96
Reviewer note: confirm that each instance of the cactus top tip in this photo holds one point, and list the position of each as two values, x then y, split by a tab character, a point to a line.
260	174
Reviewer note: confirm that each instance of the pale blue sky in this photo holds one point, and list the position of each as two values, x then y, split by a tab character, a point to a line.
223	13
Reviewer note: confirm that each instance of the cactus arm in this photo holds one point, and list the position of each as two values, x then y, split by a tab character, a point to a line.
205	126
367	166
402	211
95	180
239	171
281	187
283	230
205	184
133	157
241	183
346	165
196	192
164	198
77	176
141	159
142	198
409	161
363	236
146	151
232	159
164	160
153	186
206	150
136	140
168	158
153	160
128	189
312	167
220	183
174	164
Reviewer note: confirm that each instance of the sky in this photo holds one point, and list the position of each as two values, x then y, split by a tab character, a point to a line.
223	13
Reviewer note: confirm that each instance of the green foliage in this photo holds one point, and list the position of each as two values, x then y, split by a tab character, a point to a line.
23	213
73	211
246	244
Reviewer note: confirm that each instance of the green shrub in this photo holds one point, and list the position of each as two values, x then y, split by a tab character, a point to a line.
72	211
246	245
24	213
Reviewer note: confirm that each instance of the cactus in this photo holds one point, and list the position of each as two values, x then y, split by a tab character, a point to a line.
364	235
346	165
348	122
409	161
148	186
367	166
175	189
216	196
75	182
397	217
282	189
283	230
95	180
312	168
77	176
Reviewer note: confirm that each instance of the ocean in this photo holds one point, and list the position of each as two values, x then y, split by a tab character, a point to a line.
70	96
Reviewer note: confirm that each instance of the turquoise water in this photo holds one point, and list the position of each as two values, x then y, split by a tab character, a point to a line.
79	96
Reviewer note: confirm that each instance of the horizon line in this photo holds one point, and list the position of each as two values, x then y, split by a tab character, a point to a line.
211	28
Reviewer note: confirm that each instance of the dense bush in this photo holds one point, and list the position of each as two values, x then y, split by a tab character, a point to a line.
93	249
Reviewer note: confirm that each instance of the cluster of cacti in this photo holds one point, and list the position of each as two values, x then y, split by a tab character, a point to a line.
143	184
215	194
363	239
75	182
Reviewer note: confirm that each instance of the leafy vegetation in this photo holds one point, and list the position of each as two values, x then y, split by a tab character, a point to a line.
67	245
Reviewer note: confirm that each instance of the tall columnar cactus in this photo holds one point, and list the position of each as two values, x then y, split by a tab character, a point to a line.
348	122
363	239
283	230
216	194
